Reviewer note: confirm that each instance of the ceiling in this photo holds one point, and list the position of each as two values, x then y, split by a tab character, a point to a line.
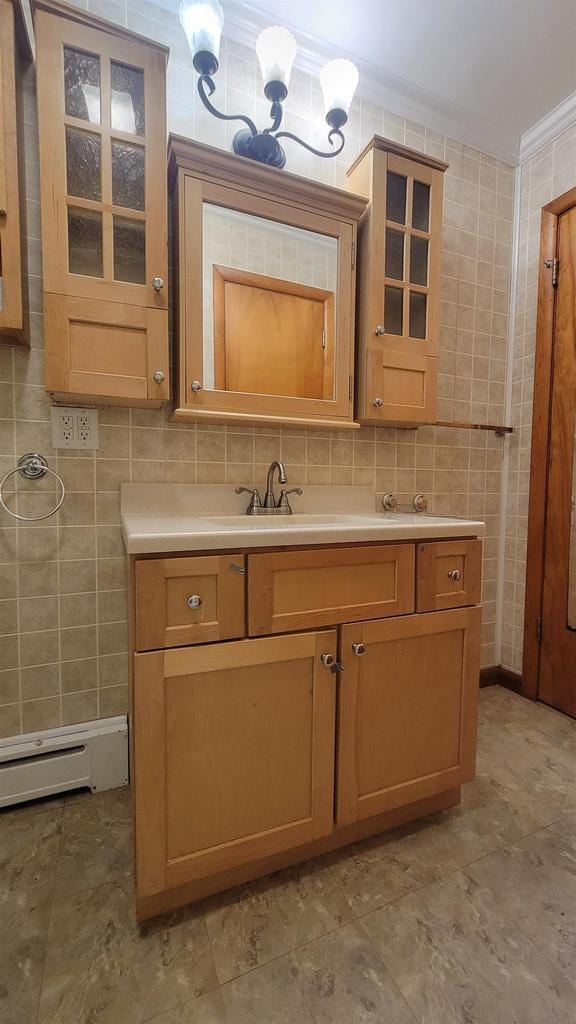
509	61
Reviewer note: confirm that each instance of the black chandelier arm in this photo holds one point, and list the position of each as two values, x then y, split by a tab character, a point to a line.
335	132
205	82
276	113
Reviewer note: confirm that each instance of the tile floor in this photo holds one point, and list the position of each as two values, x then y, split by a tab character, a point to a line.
466	917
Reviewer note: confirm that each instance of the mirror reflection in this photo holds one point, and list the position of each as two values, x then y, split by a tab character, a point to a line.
269	299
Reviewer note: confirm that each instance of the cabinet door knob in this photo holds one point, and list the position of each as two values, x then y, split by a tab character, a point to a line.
196	385
327	660
379	329
378	402
157	284
158	376
359	649
455	575
237	568
194	601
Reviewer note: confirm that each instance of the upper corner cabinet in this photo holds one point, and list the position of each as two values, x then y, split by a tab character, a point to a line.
266	285
12	314
102	128
399	283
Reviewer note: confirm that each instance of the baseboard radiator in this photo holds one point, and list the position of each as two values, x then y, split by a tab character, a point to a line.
92	755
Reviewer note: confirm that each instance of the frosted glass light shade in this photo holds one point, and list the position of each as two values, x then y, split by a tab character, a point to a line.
276	50
338	79
202	21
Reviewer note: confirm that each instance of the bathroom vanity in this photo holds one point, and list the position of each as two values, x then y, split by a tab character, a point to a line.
299	681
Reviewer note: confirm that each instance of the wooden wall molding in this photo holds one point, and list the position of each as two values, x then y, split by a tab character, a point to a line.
497	675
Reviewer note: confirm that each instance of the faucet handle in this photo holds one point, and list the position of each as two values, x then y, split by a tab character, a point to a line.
254	502
283	499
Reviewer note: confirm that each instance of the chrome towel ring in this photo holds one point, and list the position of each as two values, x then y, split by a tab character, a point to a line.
33	467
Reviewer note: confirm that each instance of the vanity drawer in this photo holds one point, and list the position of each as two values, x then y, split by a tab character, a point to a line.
189	600
290	590
448	575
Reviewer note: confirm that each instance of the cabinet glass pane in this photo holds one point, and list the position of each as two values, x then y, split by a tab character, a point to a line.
396	198
84	242
421	206
127	99
418	260
83	164
127	176
395	254
82	85
417	315
129	250
393	299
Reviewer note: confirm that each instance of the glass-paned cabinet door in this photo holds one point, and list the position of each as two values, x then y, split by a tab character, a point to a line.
102	149
412	239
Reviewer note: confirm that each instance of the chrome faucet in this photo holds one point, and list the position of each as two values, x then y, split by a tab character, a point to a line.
269	499
270	507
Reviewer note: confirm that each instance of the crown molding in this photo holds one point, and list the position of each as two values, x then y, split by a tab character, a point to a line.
545	131
243	23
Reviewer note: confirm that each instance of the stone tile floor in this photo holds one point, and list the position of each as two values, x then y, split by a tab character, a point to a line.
466	917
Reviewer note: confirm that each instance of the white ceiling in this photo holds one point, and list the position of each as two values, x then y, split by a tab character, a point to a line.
509	61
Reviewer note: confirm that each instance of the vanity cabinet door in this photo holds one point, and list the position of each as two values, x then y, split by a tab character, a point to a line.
407	710
233	753
188	600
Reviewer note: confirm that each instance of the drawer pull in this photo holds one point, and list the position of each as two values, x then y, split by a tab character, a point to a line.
237	568
455	575
359	649
194	601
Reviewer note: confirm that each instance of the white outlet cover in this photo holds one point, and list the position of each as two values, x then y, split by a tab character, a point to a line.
74	428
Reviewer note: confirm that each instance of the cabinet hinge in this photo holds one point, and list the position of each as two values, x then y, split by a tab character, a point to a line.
554	266
539	631
353	255
350	388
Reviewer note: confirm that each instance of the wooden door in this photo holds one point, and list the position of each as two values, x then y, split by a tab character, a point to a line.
188	600
407	710
272	337
106	350
557	677
233	754
299	589
102	133
11	307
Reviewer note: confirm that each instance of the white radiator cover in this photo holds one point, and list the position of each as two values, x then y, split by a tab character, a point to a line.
93	755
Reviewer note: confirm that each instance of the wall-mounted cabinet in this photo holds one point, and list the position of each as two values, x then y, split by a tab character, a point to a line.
102	125
400	243
12	316
265	295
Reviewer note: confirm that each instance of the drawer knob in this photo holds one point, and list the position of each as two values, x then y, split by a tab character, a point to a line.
196	385
194	601
378	402
158	376
359	649
455	575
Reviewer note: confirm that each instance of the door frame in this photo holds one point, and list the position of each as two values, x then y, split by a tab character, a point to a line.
540	442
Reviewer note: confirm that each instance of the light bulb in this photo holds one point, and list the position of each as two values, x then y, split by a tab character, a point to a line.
338	79
276	50
202	21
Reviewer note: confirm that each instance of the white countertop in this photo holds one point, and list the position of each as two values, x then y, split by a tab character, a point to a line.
205	517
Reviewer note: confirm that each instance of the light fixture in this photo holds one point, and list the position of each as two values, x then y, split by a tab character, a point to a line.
202	22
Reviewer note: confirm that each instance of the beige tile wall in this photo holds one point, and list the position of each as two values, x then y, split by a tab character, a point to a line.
549	173
63	612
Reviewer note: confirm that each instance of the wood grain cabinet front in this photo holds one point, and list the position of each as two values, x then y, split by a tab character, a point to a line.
448	574
12	317
407	710
102	134
289	590
189	600
234	748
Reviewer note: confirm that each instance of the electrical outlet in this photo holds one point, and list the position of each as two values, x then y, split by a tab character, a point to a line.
74	428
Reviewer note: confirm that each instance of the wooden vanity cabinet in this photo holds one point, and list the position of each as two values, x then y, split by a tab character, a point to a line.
265	292
12	316
252	754
400	242
102	131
